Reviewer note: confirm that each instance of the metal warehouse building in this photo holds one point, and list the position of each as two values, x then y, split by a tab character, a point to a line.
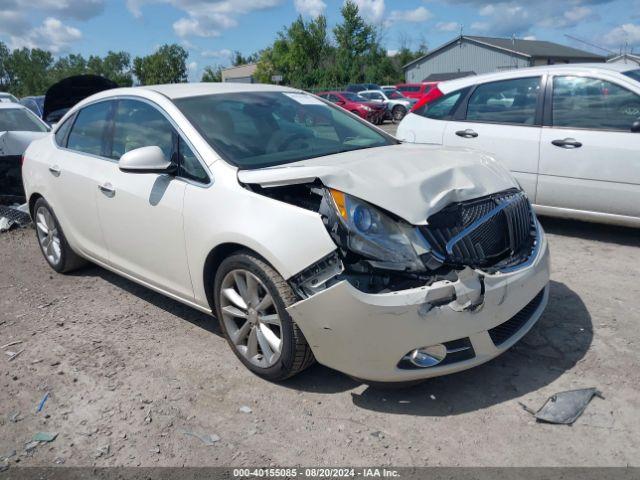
476	55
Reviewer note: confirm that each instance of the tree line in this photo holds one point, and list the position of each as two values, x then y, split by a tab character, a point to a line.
307	54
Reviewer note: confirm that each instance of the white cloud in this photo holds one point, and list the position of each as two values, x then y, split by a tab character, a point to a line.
224	53
623	34
419	15
310	8
392	52
448	26
52	35
65	9
372	10
205	18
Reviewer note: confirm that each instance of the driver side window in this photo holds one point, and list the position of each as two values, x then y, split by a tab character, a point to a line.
137	124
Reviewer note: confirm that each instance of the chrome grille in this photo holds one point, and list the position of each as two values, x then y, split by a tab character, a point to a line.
484	231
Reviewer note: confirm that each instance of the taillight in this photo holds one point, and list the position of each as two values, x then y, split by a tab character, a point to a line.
433	94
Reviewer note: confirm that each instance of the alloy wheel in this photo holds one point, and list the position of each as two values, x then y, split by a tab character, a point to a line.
250	318
48	235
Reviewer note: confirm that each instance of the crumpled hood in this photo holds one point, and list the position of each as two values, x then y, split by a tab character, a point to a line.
412	181
15	143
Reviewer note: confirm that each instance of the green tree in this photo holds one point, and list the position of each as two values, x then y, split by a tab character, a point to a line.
115	66
28	71
4	65
302	54
357	46
238	59
68	66
168	64
212	74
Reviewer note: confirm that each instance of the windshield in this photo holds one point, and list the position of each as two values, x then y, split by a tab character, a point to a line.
353	97
263	129
20	120
394	94
635	74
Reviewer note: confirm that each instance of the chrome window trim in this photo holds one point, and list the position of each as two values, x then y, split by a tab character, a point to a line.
179	131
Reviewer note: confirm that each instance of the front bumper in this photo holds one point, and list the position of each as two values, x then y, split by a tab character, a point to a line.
366	335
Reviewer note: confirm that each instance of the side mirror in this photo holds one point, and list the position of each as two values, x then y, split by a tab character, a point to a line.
635	126
340	102
145	160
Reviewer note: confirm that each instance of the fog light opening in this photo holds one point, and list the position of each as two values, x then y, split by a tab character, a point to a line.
427	356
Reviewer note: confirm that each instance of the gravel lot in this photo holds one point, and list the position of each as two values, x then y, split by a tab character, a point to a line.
129	372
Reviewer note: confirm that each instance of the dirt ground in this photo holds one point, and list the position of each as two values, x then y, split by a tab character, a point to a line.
132	376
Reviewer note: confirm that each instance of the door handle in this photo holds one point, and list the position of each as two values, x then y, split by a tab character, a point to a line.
107	189
468	133
568	143
55	170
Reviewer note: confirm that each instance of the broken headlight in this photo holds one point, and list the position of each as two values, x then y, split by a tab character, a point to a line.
369	232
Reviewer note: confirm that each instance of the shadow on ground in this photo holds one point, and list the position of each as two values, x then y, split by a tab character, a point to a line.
196	317
554	345
598	232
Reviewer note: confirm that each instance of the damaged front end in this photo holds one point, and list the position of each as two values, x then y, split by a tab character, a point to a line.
379	252
405	297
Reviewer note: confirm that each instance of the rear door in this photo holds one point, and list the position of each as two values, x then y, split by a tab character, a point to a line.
589	158
75	170
503	118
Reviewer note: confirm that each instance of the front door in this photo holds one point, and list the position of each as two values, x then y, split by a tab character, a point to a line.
141	213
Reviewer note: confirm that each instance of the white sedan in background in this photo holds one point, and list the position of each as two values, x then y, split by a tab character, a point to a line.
310	233
397	104
570	134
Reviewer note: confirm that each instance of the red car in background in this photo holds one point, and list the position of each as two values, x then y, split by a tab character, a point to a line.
416	90
373	112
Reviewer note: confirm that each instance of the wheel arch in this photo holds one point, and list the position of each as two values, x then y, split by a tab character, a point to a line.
32	202
215	257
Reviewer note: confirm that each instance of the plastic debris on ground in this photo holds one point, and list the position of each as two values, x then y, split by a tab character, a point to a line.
245	409
564	408
45	437
13	217
42	402
207	439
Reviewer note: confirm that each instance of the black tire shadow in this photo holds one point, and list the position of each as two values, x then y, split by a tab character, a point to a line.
184	312
554	345
598	232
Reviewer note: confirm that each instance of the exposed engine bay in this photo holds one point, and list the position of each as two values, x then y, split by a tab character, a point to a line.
379	252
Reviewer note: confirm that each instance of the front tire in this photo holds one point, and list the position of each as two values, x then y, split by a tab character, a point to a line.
251	300
53	244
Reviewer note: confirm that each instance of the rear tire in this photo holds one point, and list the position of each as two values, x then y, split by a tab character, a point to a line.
259	329
398	113
53	244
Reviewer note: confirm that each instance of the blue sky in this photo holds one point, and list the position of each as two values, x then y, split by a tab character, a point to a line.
212	29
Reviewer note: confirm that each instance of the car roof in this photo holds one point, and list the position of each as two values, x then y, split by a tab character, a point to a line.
451	85
182	90
8	105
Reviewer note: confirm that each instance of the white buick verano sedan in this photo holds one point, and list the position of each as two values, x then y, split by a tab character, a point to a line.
311	234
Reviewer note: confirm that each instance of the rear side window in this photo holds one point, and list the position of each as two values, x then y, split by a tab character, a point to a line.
88	132
409	88
137	124
509	101
63	131
444	107
582	102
